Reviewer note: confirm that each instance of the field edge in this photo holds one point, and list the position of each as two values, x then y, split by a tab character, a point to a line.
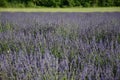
76	9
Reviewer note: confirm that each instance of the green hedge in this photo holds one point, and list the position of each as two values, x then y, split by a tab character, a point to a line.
59	3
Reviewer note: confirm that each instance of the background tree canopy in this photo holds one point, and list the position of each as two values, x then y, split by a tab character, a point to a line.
59	3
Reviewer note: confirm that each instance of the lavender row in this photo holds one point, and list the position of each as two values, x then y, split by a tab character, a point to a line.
60	46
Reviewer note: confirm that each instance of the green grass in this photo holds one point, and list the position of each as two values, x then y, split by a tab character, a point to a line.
77	9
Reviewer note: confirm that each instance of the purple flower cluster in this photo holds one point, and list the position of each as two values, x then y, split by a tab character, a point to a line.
59	46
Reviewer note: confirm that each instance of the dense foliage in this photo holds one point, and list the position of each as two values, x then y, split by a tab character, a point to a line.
59	3
60	46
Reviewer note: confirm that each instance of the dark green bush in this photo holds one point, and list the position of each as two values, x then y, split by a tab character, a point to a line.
59	3
3	3
30	4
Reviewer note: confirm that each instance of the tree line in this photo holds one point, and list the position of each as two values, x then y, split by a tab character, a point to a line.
59	3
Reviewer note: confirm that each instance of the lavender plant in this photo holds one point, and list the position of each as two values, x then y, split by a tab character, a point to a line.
59	46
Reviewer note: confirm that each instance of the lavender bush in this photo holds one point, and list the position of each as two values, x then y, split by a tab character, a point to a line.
59	46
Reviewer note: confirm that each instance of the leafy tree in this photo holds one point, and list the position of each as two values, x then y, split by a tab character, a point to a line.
3	3
59	3
117	2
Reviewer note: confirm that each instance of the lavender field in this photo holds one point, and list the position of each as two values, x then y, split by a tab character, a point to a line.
59	46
